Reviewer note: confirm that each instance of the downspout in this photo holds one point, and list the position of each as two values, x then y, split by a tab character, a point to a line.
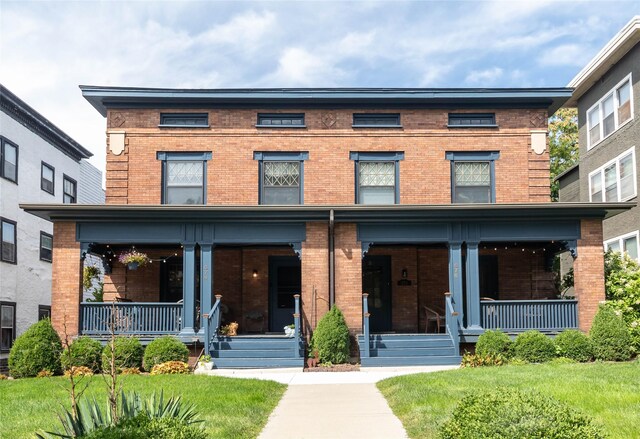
332	262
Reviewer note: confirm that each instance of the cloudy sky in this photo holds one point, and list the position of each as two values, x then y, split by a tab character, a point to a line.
48	48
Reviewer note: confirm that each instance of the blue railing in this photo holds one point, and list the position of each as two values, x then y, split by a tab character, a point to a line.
365	325
452	322
521	315
149	318
296	323
212	322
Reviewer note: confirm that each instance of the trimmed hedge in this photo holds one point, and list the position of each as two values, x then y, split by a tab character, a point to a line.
495	344
83	352
610	336
534	347
37	349
514	414
574	344
331	338
164	349
128	353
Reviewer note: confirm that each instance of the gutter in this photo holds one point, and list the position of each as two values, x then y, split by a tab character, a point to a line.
332	261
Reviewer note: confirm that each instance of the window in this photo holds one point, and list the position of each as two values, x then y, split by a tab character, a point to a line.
281	120
184	177
626	243
8	248
47	178
44	312
458	120
8	160
69	190
610	112
7	325
379	120
281	177
46	247
377	177
473	176
616	180
180	120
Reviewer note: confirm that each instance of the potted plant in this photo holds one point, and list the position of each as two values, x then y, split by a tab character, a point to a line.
205	362
133	259
290	330
230	330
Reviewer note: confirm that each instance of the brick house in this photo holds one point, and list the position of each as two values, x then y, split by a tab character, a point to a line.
423	214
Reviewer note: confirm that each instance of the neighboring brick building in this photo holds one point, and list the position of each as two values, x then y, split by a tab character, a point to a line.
258	195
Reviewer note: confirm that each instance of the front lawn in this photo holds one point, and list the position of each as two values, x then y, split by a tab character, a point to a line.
230	408
609	392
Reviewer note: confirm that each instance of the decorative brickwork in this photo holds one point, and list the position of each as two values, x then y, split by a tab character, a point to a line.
588	270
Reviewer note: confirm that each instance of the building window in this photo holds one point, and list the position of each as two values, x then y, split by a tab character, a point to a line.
616	180
610	113
376	120
69	190
44	312
184	177
377	177
47	178
7	325
8	160
473	176
281	120
8	248
465	120
46	247
626	243
281	177
184	120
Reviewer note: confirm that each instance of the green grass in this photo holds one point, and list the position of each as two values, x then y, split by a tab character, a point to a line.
609	392
230	408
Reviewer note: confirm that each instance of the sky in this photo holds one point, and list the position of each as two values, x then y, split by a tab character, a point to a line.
48	48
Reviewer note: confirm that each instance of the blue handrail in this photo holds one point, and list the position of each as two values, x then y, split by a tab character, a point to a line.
453	325
296	322
365	325
212	323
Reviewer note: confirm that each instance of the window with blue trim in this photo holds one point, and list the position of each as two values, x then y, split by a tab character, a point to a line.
473	176
281	176
377	176
184	177
281	120
379	120
179	120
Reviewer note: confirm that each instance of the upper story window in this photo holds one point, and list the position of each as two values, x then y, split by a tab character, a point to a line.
616	180
281	177
8	239
610	113
377	177
44	312
7	325
376	120
184	120
624	244
8	160
281	120
184	177
46	247
69	190
472	120
47	178
473	176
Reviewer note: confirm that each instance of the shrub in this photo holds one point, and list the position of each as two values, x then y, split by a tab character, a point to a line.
130	371
3	377
83	351
128	353
164	349
331	338
609	335
37	349
574	344
171	368
44	374
477	360
622	289
514	414
78	371
534	347
495	343
143	427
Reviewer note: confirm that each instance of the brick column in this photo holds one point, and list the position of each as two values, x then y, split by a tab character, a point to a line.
66	285
315	274
588	270
349	275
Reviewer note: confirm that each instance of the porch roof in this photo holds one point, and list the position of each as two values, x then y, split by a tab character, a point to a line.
342	213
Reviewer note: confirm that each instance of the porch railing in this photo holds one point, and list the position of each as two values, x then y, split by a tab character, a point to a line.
521	315
365	325
452	323
212	322
296	324
147	318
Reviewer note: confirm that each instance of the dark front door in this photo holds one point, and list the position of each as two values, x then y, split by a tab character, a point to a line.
376	280
284	282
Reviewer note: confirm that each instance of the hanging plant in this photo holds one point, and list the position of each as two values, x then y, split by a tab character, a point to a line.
133	259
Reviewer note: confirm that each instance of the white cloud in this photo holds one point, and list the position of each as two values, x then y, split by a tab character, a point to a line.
484	78
565	55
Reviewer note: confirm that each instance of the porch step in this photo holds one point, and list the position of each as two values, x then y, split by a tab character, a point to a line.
408	350
256	363
412	352
252	352
452	360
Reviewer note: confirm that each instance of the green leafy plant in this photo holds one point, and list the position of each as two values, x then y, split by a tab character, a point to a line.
90	274
622	288
143	427
494	343
37	349
574	344
534	347
477	360
610	337
171	368
128	353
331	338
163	349
83	351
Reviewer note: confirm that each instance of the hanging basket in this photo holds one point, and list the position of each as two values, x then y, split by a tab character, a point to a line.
133	265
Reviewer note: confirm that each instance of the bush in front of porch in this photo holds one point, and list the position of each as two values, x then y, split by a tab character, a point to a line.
163	349
331	338
37	349
128	353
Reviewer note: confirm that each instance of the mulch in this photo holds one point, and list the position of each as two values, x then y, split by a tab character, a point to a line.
334	368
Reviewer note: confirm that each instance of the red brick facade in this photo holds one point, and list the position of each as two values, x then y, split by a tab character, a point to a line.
66	289
589	281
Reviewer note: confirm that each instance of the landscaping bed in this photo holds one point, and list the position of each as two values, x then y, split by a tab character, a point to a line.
346	367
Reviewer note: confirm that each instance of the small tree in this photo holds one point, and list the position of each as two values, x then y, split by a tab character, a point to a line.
331	338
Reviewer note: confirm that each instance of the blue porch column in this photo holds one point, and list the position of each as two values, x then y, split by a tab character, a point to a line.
455	277
206	283
189	290
473	287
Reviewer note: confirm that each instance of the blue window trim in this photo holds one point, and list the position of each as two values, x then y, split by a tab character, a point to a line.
394	156
460	116
202	118
300	116
279	156
165	156
474	156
